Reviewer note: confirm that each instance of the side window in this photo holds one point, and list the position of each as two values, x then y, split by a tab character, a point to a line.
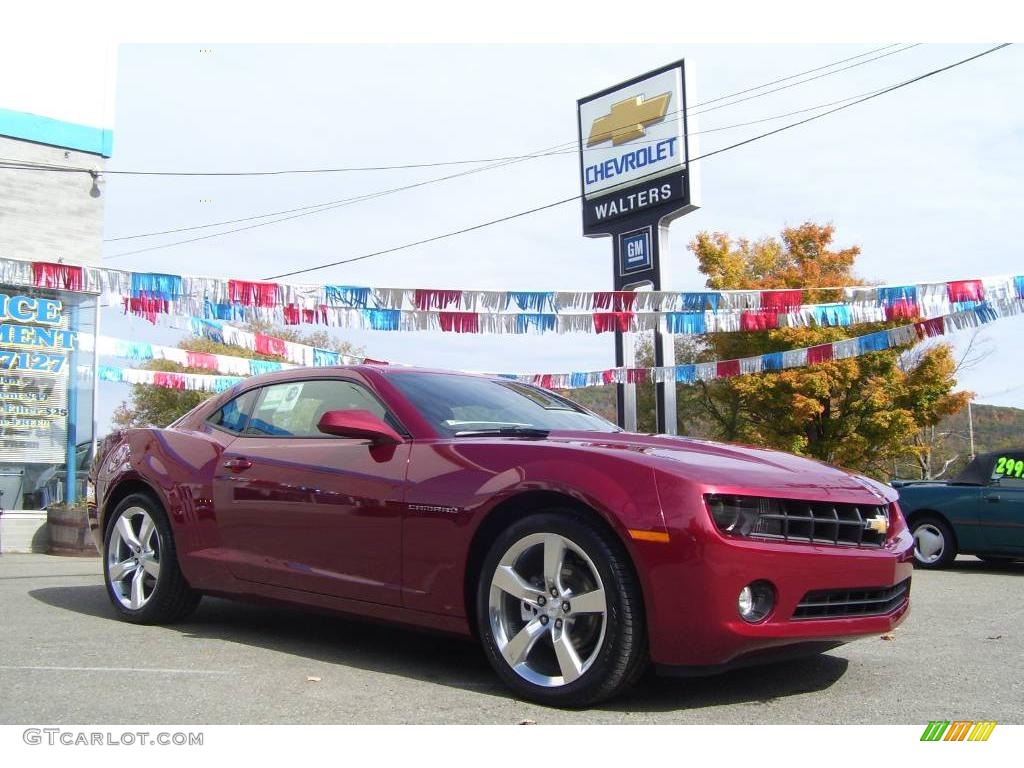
234	415
293	409
1008	471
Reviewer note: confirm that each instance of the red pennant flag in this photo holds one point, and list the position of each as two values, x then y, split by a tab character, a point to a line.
820	354
61	276
782	301
727	368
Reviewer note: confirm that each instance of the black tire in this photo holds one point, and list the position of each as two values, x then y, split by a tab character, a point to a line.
935	526
616	658
167	596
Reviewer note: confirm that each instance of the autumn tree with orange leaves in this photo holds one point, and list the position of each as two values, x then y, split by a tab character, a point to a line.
862	412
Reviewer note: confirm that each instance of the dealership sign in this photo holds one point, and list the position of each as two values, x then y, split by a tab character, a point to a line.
634	151
34	346
635	177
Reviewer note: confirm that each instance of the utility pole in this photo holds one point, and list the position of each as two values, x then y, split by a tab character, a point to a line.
970	427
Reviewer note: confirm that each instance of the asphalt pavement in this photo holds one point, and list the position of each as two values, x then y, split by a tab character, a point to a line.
66	658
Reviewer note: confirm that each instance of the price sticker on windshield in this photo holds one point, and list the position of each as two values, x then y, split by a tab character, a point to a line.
1007	466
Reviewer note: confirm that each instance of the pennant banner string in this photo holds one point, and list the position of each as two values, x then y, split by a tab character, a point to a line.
901	336
151	295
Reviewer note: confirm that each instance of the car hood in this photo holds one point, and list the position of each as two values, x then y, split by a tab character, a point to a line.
732	468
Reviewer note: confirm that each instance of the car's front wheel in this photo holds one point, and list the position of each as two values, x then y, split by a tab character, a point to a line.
934	545
140	564
560	612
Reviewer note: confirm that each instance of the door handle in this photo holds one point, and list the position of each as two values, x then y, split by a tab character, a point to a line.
992	498
236	465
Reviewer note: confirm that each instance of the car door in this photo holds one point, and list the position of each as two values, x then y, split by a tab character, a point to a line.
308	511
1002	509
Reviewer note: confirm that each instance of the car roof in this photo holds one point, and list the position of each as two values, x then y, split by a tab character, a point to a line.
979	470
362	368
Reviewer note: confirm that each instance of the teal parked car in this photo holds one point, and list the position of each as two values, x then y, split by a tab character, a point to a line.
979	512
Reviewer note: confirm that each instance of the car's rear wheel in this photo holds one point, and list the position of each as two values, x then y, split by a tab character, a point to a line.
560	612
934	544
140	564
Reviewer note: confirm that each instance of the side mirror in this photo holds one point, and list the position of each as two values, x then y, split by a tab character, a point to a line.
357	423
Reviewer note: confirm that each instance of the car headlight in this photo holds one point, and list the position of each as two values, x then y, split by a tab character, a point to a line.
742	515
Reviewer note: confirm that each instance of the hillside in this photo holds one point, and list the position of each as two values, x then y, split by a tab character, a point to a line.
995	428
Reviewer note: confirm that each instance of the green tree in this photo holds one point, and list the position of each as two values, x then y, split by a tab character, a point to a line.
159	406
863	412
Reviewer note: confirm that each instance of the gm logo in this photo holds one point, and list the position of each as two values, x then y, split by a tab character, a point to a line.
958	730
635	252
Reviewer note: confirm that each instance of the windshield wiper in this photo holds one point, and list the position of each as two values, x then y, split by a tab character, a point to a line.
505	432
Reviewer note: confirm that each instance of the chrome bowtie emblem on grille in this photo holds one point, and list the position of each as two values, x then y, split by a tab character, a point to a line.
879	524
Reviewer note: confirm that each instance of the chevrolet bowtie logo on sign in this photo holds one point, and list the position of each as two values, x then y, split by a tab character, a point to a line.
628	118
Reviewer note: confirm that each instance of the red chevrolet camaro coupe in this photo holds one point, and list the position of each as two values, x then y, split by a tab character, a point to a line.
577	553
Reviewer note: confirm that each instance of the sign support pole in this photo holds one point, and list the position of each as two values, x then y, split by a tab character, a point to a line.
667	416
625	394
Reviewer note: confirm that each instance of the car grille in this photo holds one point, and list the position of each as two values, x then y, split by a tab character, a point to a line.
868	601
817	522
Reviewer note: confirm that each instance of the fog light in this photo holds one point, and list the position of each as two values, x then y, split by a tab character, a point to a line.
756	601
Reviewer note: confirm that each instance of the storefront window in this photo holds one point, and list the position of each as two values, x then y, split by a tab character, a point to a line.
46	396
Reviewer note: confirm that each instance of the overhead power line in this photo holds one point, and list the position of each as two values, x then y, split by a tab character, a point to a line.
21	165
332	204
875	95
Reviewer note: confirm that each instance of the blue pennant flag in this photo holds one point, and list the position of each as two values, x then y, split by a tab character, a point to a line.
263	366
208	329
686	374
225	382
771	361
532	300
896	293
110	373
700	301
383	319
873	342
685	322
347	295
325	357
152	284
986	312
535	321
832	314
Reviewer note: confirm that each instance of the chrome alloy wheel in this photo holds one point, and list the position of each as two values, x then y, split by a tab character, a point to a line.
929	543
547	609
133	558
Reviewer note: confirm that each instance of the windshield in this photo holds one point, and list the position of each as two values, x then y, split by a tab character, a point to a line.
457	405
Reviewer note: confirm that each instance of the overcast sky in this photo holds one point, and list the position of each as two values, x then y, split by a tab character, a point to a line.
926	179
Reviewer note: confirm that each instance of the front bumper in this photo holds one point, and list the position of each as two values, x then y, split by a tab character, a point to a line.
692	593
